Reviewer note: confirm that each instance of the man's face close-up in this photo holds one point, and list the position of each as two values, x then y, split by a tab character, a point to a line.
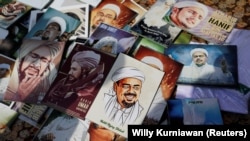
199	58
128	91
106	16
75	72
51	32
36	62
106	48
190	17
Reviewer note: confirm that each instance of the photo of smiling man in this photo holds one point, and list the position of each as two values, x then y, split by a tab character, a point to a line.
126	94
34	71
187	14
124	107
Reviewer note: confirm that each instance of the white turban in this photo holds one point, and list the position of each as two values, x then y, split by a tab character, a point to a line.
107	41
183	4
126	72
113	7
5	66
60	21
198	50
87	59
153	60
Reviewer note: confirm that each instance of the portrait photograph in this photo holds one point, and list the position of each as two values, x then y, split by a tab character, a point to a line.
126	94
53	25
201	20
153	27
113	13
111	40
206	64
34	70
79	80
80	12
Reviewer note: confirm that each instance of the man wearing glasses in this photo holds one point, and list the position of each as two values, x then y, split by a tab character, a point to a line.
122	102
107	14
34	70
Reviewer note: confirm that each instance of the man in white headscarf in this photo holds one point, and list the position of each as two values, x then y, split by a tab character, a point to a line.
84	75
107	44
107	14
152	25
122	101
200	71
55	27
187	14
34	70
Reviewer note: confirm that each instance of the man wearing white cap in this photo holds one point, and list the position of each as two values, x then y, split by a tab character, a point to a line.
107	14
4	78
187	14
107	44
121	102
200	71
84	75
55	27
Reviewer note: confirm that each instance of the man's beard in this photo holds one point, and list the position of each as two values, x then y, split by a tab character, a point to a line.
3	75
126	104
45	38
94	26
70	81
23	74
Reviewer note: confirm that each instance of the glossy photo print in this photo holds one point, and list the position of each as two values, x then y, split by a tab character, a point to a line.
206	64
79	80
34	70
203	21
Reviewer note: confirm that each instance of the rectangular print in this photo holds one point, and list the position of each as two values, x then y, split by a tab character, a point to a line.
206	64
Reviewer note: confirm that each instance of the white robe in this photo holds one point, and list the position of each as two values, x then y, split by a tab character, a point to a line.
66	129
121	116
205	74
